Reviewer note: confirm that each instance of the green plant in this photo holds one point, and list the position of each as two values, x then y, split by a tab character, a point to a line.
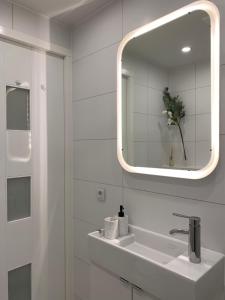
175	112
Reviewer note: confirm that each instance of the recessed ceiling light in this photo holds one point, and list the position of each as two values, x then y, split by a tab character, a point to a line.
186	49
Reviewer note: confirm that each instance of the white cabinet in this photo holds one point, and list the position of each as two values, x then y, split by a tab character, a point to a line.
141	295
105	286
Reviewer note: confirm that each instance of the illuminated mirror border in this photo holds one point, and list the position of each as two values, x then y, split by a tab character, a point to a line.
213	13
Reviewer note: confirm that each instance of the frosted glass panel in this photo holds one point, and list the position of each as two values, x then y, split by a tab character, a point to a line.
18	108
19	145
18	198
19	283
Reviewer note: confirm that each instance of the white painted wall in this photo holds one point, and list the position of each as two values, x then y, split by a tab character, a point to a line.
23	20
149	200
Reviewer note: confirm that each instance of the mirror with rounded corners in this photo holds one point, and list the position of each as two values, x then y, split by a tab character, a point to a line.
168	95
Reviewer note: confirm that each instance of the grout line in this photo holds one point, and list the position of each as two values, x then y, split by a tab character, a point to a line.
85	221
122	3
175	196
12	8
137	141
95	96
75	60
97	139
148	191
97	182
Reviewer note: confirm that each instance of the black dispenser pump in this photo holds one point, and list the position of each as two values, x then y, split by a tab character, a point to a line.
121	212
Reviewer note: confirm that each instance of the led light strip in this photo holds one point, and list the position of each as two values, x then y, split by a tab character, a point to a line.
213	13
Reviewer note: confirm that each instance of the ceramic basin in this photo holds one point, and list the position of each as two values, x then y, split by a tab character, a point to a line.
152	246
159	265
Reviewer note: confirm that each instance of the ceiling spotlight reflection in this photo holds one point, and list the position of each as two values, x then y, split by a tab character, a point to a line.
186	49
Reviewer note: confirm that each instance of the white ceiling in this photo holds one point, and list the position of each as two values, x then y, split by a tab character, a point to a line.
162	46
79	14
68	11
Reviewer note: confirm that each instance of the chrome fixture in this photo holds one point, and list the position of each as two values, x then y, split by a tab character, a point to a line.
194	240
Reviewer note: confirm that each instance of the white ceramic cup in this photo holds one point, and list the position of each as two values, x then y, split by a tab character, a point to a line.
111	227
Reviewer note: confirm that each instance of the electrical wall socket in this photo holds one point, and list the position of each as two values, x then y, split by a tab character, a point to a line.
101	194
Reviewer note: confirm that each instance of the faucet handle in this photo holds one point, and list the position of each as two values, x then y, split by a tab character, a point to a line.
193	220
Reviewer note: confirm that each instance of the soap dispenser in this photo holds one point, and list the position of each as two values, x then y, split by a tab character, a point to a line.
123	222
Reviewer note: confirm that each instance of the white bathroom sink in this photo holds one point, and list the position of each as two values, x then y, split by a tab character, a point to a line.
159	265
152	246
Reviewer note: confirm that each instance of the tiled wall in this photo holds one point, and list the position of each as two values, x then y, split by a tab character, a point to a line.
144	86
150	140
23	20
149	200
192	84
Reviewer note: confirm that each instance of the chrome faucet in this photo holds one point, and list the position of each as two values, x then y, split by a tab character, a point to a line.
194	240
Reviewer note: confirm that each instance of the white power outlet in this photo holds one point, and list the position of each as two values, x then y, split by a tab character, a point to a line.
101	194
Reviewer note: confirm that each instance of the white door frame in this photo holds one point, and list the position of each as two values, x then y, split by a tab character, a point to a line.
66	54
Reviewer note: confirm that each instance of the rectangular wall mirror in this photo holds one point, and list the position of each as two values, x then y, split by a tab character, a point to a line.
168	94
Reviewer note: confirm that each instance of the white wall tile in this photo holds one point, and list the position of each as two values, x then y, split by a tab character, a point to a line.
5	14
59	34
23	20
158	128
188	128
95	118
203	74
203	127
150	209
140	71
156	105
182	79
81	279
97	161
100	31
29	23
210	189
158	154
88	208
77	298
140	150
157	78
179	160
203	153
95	74
140	98
188	99
160	131
203	100
138	13
81	230
140	127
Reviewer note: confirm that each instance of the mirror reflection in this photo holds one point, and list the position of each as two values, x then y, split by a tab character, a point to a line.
166	95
